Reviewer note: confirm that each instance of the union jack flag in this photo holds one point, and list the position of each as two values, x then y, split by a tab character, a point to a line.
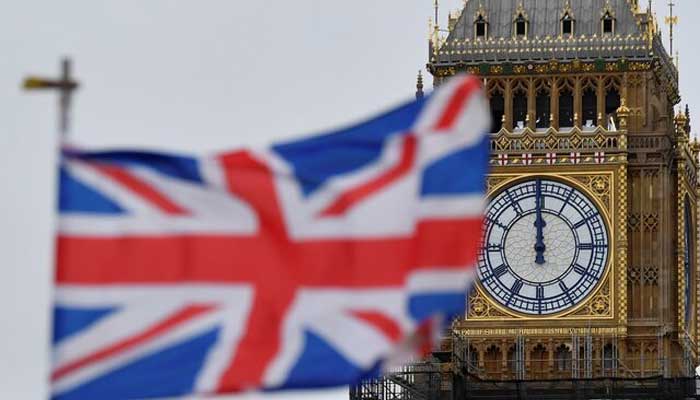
313	263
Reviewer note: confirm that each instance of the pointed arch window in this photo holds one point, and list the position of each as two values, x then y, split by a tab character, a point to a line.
519	106
608	23
562	359
568	25
566	108
481	28
520	25
542	105
498	108
589	104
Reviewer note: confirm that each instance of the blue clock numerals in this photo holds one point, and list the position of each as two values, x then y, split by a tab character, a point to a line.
546	247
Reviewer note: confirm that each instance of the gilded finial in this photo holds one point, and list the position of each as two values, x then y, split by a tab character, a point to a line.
681	121
680	118
419	85
623	113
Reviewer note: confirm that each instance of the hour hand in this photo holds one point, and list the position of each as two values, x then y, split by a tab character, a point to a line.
539	225
539	243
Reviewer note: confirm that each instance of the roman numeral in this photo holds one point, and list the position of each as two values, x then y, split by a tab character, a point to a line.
568	198
517	286
585	246
540	292
500	271
580	270
494	248
583	221
514	203
495	222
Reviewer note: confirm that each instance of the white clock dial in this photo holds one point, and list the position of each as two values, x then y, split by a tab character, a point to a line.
545	247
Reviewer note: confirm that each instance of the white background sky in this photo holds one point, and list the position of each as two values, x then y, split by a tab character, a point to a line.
192	76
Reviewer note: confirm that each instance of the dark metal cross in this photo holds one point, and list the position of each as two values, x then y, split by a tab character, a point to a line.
65	85
672	21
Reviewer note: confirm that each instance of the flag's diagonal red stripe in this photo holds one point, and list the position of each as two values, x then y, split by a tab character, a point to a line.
457	103
381	322
178	318
140	188
356	195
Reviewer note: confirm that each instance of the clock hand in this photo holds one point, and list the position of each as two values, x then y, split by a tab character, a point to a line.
539	224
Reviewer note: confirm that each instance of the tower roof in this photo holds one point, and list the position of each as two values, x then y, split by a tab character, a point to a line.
544	38
544	17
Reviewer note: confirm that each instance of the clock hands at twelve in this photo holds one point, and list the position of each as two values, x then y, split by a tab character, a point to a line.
539	224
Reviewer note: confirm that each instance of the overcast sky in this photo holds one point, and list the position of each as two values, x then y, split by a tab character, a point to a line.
194	76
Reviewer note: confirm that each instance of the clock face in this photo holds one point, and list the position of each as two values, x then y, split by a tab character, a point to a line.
545	247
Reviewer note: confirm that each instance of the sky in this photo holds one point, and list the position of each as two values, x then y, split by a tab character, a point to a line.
197	77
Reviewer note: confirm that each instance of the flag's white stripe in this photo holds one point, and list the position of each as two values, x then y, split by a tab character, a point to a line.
139	308
172	337
469	206
210	210
125	198
355	335
314	304
136	294
213	173
120	325
435	280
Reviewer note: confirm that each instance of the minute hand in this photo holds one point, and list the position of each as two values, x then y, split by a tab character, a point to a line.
539	224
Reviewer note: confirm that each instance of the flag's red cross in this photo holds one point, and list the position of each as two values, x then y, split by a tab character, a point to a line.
270	261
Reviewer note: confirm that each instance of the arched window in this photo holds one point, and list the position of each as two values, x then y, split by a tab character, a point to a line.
609	356
480	28
512	358
542	105
520	26
612	103
492	360
608	23
498	108
590	106
473	359
566	105
539	358
519	107
562	359
568	25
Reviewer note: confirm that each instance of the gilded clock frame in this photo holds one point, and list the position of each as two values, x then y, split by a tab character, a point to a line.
609	288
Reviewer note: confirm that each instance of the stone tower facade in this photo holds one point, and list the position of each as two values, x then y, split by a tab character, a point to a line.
589	262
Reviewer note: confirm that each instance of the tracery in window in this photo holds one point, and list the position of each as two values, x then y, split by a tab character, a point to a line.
566	104
519	105
589	104
542	103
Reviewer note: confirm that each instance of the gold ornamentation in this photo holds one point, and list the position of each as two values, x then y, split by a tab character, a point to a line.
598	185
480	308
599	306
466	333
622	243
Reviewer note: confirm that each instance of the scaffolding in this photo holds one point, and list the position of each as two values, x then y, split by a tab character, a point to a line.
598	369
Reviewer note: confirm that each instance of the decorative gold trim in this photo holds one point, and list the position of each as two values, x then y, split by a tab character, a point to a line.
562	332
491	310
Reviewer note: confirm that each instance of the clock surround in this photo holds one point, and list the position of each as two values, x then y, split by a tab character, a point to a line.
546	247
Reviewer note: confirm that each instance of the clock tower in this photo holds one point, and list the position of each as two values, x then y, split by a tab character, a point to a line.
588	267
